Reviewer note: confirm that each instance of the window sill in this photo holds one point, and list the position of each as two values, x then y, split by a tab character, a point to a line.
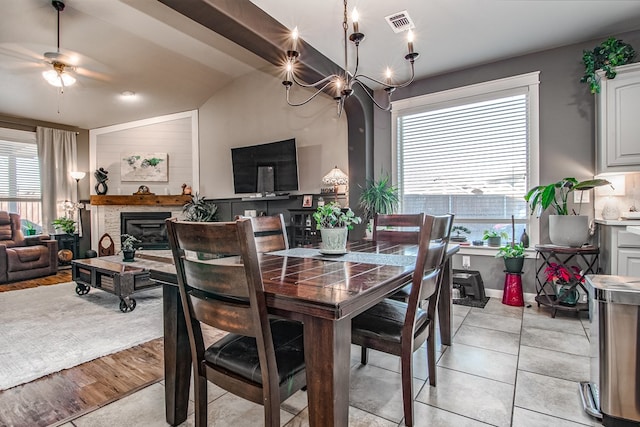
488	251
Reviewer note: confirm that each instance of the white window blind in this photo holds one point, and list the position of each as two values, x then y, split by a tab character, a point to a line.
468	155
19	171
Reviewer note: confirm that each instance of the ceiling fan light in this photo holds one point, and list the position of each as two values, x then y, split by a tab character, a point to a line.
58	79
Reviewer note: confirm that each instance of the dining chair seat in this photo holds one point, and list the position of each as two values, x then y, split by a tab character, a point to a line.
388	316
239	353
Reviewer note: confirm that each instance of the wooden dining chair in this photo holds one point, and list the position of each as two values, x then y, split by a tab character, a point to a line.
398	228
400	328
270	233
261	359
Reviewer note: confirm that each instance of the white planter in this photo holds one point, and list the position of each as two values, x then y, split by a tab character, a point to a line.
334	240
569	230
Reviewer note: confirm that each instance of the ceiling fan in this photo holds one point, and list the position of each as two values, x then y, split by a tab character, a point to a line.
60	73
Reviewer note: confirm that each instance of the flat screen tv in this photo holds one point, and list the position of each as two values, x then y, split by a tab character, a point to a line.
265	168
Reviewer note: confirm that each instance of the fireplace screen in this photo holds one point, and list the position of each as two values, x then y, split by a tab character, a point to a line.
148	227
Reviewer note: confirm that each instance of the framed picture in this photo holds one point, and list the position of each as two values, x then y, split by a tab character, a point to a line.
307	201
144	167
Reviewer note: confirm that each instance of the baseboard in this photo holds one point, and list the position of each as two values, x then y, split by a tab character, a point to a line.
497	293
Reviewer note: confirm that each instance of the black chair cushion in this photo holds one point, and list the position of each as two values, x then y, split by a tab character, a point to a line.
401	294
384	321
239	354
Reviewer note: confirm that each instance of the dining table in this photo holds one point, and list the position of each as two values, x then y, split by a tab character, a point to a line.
322	291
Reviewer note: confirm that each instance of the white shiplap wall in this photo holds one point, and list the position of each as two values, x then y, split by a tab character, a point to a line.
175	134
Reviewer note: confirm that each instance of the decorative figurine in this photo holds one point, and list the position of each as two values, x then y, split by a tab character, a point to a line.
186	190
143	189
101	177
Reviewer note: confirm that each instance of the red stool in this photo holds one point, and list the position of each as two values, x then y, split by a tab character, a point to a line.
513	290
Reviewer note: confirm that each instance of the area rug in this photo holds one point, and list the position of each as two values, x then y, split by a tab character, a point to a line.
471	302
49	328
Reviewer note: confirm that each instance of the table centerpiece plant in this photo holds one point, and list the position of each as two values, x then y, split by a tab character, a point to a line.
334	224
128	246
566	228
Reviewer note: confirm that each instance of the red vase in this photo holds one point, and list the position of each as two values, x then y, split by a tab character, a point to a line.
512	294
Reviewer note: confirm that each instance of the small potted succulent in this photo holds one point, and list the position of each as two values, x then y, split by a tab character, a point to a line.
128	246
334	225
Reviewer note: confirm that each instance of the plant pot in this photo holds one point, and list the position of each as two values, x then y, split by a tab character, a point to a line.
566	295
334	240
569	230
31	232
128	255
514	265
494	241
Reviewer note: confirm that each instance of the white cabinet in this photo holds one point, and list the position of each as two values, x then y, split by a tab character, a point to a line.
619	249
629	262
617	124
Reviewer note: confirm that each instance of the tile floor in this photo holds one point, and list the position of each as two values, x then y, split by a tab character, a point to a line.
508	366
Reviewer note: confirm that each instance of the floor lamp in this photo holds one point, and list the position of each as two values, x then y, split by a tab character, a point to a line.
78	176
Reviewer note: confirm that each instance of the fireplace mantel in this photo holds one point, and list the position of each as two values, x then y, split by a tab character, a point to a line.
140	200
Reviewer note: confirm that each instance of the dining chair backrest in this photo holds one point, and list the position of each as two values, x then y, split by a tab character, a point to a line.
270	233
425	283
234	300
398	228
220	285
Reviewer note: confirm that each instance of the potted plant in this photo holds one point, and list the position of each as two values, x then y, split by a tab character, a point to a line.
29	228
609	54
128	248
334	225
513	255
459	237
565	282
564	229
200	210
378	197
494	237
65	224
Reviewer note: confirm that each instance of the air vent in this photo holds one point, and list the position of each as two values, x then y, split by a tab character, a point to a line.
400	21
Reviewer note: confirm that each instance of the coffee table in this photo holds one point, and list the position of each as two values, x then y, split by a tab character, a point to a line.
112	275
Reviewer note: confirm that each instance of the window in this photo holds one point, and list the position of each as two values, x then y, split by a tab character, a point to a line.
20	176
471	151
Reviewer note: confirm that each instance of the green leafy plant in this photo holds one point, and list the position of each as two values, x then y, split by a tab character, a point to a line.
128	242
200	210
494	233
332	216
555	195
511	251
65	224
379	196
609	54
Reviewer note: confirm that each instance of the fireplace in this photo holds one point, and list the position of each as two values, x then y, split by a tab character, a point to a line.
148	227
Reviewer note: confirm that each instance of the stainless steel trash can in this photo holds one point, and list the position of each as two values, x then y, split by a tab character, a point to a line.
614	387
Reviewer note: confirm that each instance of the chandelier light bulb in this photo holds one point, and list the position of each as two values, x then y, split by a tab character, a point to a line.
294	37
354	18
410	40
388	75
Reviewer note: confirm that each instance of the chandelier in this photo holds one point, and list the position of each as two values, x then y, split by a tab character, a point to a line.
344	82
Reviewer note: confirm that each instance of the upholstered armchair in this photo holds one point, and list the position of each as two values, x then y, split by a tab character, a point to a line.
24	258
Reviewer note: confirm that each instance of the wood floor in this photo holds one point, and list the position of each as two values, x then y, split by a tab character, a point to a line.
64	395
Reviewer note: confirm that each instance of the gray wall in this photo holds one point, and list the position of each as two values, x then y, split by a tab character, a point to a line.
567	123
